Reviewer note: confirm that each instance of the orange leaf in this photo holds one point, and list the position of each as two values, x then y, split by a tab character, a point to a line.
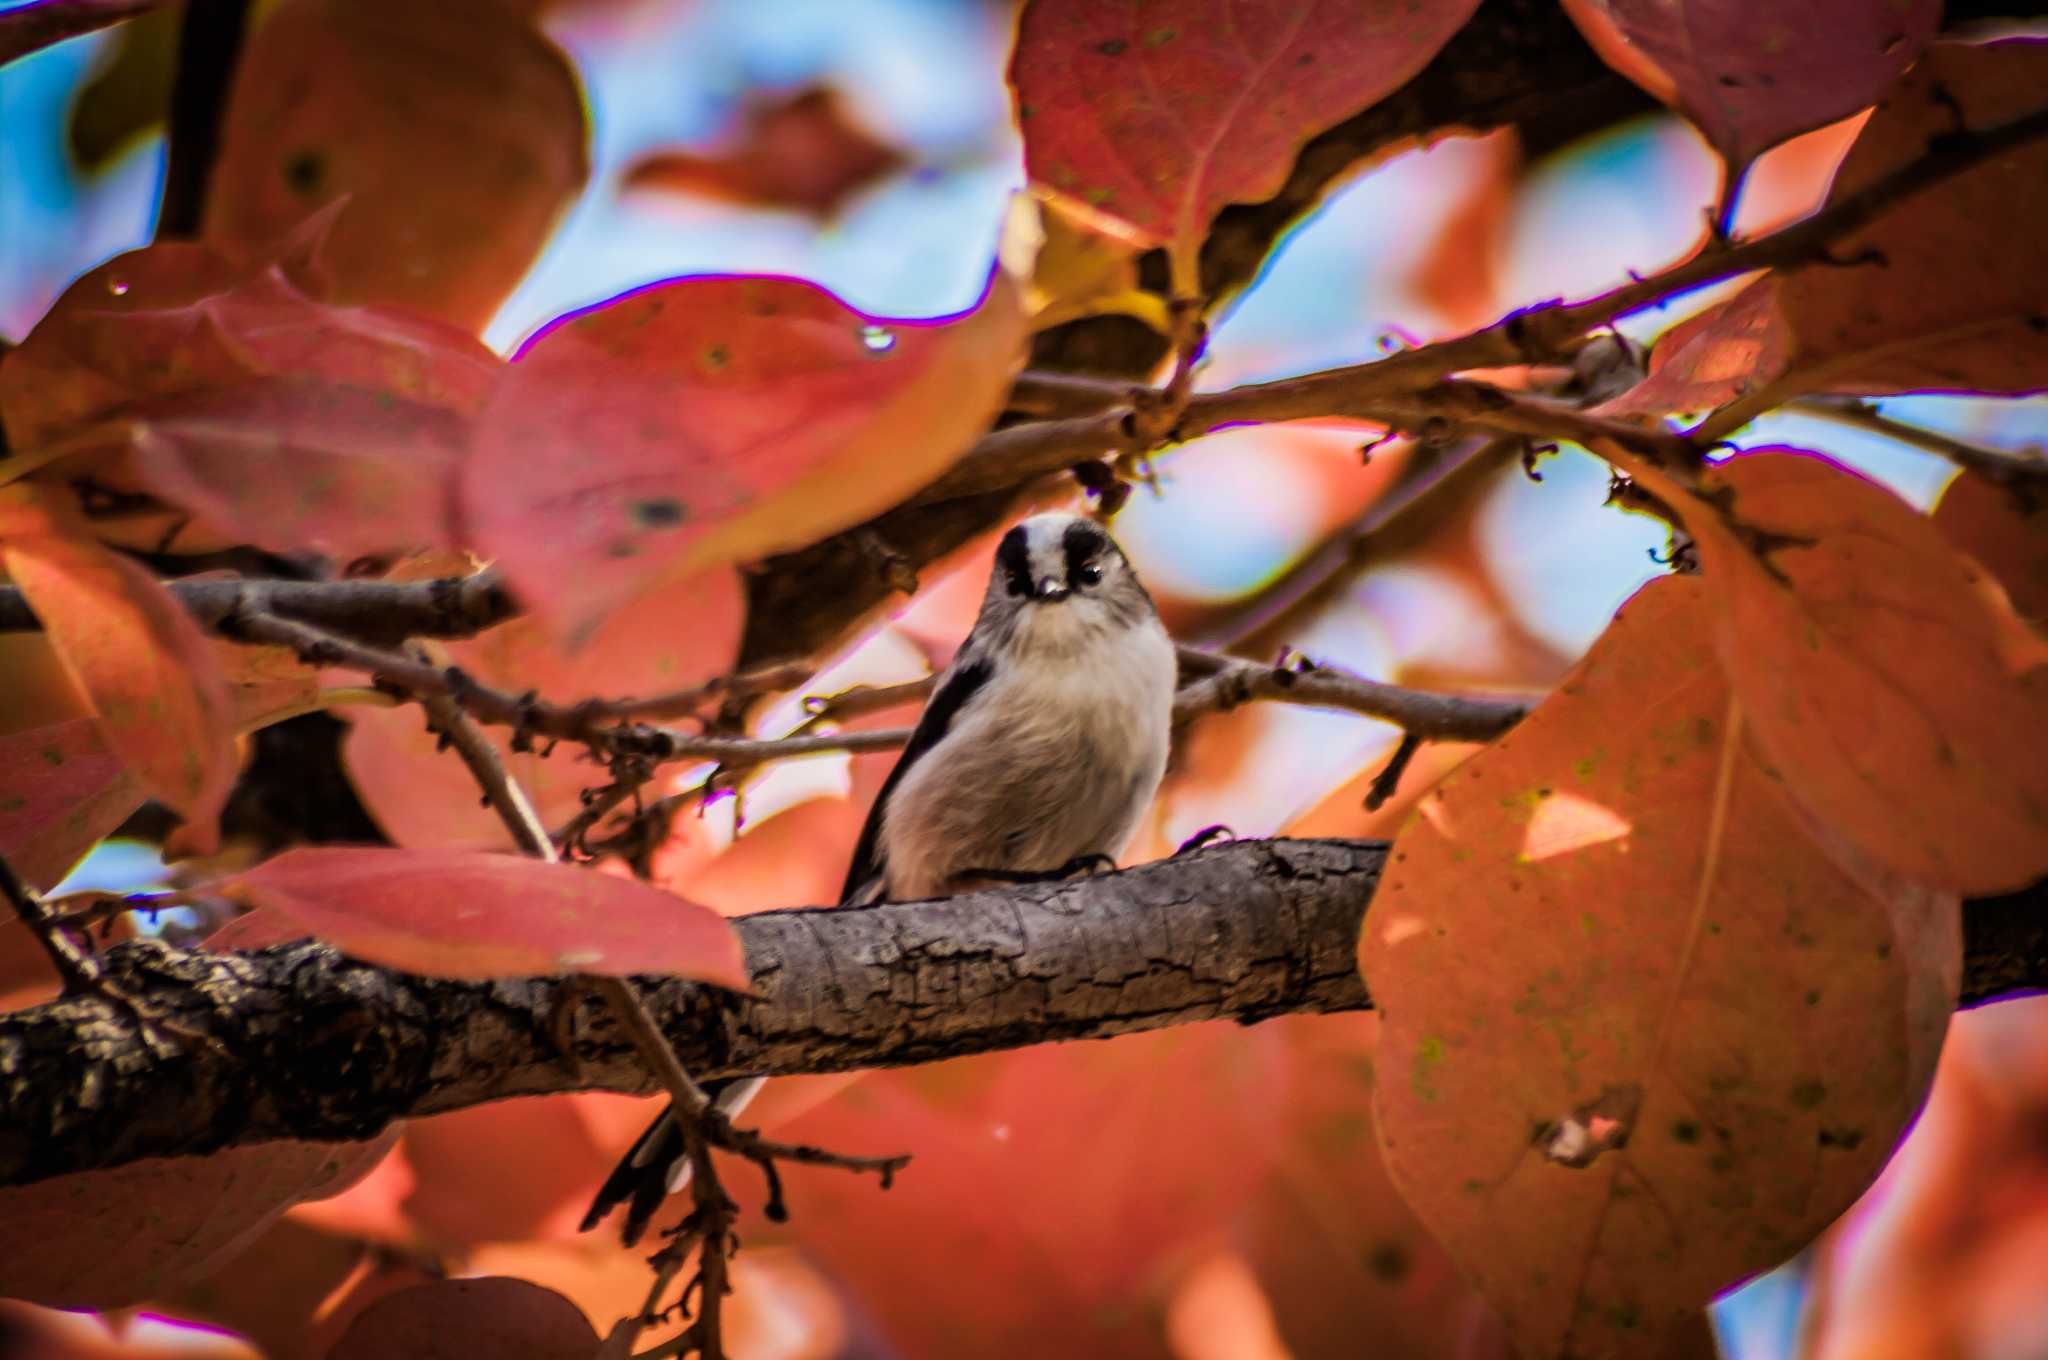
806	153
494	1316
1159	115
2005	528
455	132
1955	305
1712	357
1641	1036
705	420
149	672
61	790
471	914
1888	683
108	1238
1750	78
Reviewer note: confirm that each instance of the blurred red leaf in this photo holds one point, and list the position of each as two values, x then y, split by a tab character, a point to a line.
180	317
501	1172
1641	1036
290	465
61	790
1711	358
1955	305
455	132
151	675
2006	529
806	152
420	795
472	914
1459	273
1752	76
1159	115
1885	680
458	1319
704	420
1077	1179
108	1238
47	1334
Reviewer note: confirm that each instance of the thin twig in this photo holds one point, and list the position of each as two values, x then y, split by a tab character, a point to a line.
1426	716
2000	465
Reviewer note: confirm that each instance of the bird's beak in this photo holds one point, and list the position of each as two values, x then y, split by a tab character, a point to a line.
1050	591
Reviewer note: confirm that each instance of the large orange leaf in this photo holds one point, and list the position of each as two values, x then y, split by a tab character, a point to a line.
422	796
1153	1141
1158	113
473	914
2005	528
497	1316
1889	685
1751	76
107	1238
1955	303
455	132
704	420
1641	1035
153	680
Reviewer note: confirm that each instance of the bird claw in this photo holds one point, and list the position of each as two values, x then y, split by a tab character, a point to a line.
1205	836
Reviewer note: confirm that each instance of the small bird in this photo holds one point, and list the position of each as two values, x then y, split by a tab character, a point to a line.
1040	748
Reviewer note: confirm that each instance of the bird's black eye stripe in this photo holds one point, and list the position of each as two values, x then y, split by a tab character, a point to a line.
1013	558
1083	542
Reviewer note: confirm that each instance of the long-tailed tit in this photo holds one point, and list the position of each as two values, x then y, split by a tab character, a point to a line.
1037	753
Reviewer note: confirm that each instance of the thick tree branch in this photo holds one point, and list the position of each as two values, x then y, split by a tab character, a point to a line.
310	1045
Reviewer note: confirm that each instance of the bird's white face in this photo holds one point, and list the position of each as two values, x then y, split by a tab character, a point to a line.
1059	584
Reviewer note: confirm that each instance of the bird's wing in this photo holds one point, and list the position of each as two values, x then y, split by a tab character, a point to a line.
966	676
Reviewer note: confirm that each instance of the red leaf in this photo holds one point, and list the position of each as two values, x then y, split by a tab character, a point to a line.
1713	357
180	317
471	914
704	420
1750	76
149	672
1884	678
457	1319
61	790
290	465
806	153
454	131
1955	305
1642	1035
1160	114
108	1238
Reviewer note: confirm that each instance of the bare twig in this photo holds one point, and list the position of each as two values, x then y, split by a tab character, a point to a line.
1999	465
75	967
371	611
1426	716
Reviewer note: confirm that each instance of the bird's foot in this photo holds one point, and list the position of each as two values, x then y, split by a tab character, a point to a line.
1205	836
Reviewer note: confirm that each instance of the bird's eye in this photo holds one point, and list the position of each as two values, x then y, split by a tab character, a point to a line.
1090	575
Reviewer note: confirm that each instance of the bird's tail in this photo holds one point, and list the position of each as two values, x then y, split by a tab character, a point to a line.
656	1168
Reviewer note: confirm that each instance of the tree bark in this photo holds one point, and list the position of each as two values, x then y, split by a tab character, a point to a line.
308	1044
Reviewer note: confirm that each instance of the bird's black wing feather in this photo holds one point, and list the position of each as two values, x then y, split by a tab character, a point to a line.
945	704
